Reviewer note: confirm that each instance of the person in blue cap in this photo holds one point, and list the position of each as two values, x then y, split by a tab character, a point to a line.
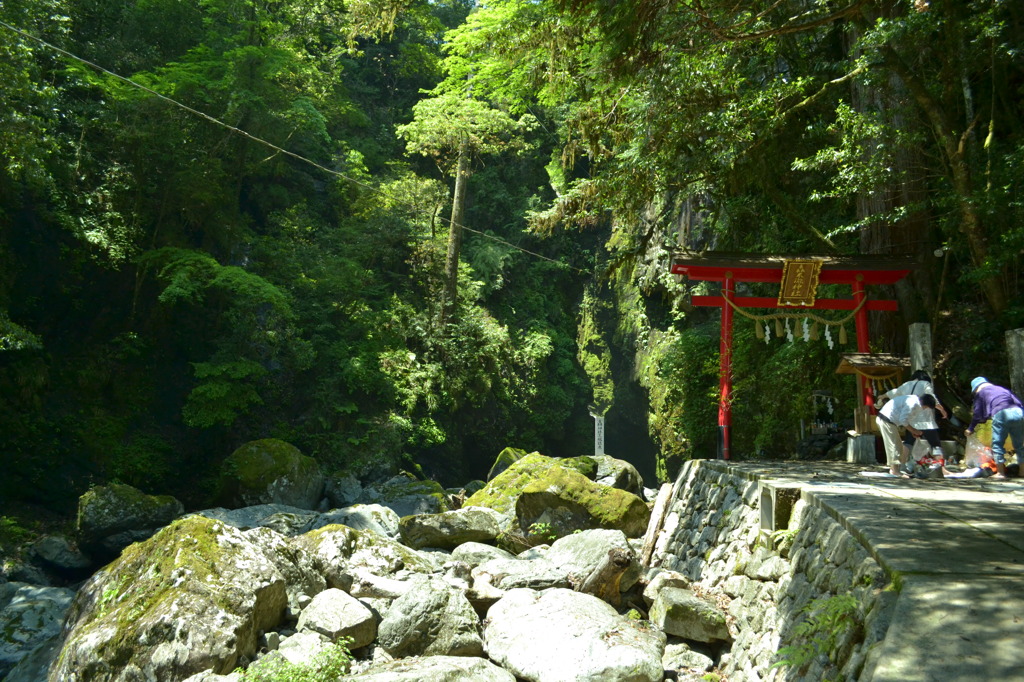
1007	415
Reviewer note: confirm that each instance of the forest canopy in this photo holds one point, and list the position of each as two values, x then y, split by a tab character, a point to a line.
407	235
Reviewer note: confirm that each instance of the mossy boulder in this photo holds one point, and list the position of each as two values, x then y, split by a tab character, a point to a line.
682	613
270	471
618	473
567	501
407	495
504	460
340	552
193	597
560	492
448	530
113	516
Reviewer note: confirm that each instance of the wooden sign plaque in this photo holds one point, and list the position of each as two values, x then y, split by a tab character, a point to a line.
799	283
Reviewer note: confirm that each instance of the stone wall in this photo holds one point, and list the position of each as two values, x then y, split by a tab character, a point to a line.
778	564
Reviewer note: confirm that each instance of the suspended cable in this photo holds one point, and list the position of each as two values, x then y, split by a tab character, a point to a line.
260	140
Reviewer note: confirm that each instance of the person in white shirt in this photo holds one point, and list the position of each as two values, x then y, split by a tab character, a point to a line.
920	384
905	411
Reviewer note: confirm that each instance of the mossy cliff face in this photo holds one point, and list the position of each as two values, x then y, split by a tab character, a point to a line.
539	489
193	597
271	471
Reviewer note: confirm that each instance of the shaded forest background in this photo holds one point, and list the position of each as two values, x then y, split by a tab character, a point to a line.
278	259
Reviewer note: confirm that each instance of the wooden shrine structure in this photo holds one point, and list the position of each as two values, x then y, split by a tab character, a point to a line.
798	278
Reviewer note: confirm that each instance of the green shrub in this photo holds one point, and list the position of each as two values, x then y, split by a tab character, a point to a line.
327	666
829	618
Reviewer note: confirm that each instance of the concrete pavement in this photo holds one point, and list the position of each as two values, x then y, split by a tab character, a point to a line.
956	548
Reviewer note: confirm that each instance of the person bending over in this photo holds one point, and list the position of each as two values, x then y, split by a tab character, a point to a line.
1004	409
920	384
905	411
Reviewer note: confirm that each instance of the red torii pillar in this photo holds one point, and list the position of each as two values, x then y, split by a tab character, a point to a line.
729	269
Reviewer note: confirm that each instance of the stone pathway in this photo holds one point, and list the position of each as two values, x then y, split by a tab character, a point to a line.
957	546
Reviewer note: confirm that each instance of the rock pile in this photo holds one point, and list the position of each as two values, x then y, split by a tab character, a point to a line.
535	577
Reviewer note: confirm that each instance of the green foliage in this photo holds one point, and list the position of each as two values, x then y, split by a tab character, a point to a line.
541	532
442	124
828	619
224	392
688	372
13	534
594	354
327	666
15	337
139	241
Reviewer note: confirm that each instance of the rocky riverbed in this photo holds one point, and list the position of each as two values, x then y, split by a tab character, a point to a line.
533	575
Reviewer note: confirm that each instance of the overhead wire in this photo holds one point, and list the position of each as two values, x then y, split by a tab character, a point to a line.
259	140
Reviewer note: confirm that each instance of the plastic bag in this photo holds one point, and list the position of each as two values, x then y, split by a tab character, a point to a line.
930	464
978	454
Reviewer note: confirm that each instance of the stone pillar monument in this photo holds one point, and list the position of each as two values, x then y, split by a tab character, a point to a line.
921	347
1015	353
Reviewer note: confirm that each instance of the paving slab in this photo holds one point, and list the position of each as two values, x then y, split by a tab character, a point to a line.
955	546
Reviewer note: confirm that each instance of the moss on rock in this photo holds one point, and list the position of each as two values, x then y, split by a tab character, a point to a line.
504	460
569	501
502	492
560	484
270	471
108	509
199	573
584	465
407	495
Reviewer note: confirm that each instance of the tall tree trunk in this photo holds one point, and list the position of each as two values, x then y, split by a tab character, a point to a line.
954	151
451	266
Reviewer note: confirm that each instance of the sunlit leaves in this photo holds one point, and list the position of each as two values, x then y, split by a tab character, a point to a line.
442	124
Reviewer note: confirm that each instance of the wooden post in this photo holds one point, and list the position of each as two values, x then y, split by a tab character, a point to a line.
921	347
661	505
725	368
1015	351
863	345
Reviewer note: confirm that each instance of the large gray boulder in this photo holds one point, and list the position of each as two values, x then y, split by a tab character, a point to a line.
432	619
407	495
682	613
290	521
508	574
34	666
435	669
618	473
271	471
282	518
375	517
58	554
111	517
334	614
30	615
563	636
343	554
192	598
476	553
568	563
583	553
448	530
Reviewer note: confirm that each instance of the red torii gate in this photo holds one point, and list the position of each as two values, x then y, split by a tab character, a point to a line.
857	271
